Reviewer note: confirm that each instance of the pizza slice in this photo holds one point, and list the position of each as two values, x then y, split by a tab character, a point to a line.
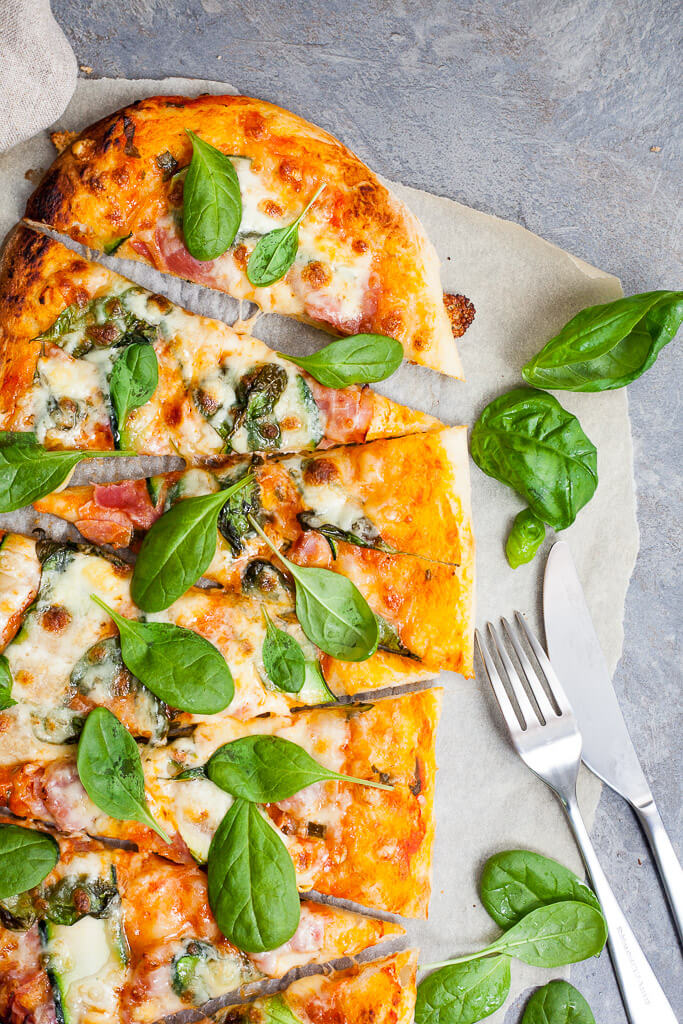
381	992
115	935
354	842
362	263
65	323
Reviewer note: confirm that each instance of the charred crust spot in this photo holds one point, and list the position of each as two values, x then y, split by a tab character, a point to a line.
254	125
460	313
129	131
120	176
50	198
240	256
62	140
291	173
416	786
316	275
108	134
320	471
55	619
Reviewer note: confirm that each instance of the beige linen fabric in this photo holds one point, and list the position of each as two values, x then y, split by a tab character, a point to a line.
37	70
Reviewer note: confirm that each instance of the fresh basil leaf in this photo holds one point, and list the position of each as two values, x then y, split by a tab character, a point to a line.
463	993
26	857
133	380
178	665
528	441
6	681
252	883
607	346
525	538
554	935
110	770
332	612
275	252
558	1002
29	472
179	548
267	769
359	359
283	659
212	202
515	882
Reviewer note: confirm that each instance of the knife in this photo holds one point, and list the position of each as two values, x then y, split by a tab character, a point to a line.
608	751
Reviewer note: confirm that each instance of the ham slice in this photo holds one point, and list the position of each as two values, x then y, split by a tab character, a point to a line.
348	411
131	497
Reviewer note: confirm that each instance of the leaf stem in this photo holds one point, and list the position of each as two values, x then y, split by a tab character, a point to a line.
365	782
480	955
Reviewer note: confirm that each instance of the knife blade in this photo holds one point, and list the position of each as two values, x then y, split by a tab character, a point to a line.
575	653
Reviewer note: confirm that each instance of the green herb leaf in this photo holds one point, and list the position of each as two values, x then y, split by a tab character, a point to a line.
283	659
528	441
558	1002
179	548
525	538
275	252
133	380
252	883
178	665
359	359
110	770
332	612
463	993
26	857
29	472
274	1010
113	244
6	681
515	882
212	202
608	346
267	769
554	935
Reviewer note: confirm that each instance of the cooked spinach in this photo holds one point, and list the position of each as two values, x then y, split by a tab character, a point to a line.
265	581
106	321
359	359
275	252
257	393
179	548
133	381
6	681
274	1010
178	665
332	612
28	471
283	659
26	857
608	346
110	770
267	769
212	202
528	441
463	993
252	884
558	1002
363	532
515	882
389	639
233	522
525	538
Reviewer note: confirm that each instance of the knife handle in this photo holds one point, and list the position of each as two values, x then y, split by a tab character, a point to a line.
669	867
643	997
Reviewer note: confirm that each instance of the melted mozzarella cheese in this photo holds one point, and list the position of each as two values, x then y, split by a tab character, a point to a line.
255	197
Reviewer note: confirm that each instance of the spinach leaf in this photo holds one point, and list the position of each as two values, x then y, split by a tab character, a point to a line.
332	612
558	1002
212	202
358	359
283	659
29	472
528	441
256	395
178	665
6	681
363	532
275	252
252	883
554	935
267	769
274	1010
233	524
133	381
26	857
110	770
463	993
515	882
525	538
607	346
178	549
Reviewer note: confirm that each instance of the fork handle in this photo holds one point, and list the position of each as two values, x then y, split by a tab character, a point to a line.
669	867
642	994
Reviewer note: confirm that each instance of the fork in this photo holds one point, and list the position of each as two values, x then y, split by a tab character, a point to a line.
548	740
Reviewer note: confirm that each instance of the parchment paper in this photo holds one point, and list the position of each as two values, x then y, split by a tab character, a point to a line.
524	290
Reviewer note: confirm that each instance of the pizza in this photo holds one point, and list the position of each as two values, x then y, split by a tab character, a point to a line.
363	262
114	935
64	321
368	845
381	992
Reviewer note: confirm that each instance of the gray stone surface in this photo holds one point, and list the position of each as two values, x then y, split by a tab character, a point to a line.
542	112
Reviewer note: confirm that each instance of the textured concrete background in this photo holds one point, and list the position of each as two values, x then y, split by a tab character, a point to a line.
542	112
